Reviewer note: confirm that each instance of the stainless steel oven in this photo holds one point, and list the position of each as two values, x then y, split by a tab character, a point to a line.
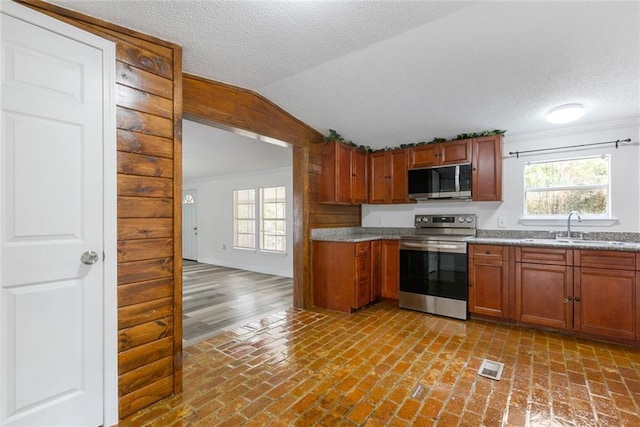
433	265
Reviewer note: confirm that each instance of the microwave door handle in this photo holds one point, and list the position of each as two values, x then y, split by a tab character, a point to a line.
458	179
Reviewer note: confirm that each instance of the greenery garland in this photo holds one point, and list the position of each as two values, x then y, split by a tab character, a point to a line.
335	136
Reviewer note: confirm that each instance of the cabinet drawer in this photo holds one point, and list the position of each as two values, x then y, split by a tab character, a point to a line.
362	267
606	259
544	255
363	293
362	248
488	251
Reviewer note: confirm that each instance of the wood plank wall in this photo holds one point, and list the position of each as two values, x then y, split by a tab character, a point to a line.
223	105
149	120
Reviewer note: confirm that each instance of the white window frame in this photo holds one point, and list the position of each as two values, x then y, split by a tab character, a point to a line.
552	220
236	219
258	220
279	219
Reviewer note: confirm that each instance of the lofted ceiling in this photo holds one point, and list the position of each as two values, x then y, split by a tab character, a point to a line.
385	73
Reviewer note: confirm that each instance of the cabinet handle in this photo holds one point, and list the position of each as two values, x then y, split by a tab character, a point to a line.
567	299
487	252
577	299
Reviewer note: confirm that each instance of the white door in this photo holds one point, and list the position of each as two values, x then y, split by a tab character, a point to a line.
52	244
190	224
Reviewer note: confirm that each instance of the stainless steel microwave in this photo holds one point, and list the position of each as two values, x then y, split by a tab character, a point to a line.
440	182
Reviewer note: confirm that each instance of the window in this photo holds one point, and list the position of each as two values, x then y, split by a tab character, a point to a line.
272	219
269	225
244	219
561	186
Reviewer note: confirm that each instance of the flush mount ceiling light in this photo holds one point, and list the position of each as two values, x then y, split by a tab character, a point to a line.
565	113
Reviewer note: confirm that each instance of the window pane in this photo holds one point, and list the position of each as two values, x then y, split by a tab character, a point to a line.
272	219
561	202
568	173
244	218
559	187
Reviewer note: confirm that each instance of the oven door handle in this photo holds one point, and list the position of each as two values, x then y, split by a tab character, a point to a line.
435	247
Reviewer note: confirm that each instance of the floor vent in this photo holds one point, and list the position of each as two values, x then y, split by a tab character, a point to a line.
491	369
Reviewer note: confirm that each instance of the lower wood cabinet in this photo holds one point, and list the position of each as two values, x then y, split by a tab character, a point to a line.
341	275
390	269
348	276
488	279
541	295
606	294
588	291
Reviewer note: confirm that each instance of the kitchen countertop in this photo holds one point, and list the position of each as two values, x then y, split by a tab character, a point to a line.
610	241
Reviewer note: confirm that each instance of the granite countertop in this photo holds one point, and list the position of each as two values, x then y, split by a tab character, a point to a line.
359	234
611	241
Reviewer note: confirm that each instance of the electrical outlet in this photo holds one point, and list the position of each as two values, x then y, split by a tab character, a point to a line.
502	222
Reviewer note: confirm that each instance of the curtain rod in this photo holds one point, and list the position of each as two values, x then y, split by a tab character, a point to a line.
617	141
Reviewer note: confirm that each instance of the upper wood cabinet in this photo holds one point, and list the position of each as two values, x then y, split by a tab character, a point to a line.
344	174
388	177
486	174
441	153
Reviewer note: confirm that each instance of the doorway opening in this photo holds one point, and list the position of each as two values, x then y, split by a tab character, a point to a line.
237	229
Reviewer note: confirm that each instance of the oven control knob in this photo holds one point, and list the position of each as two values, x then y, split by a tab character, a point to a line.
460	219
469	219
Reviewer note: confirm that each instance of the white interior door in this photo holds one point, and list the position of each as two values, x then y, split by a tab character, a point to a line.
52	237
190	224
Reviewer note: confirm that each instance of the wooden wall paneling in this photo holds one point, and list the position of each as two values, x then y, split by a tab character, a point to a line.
145	396
141	355
148	117
138	271
177	223
145	333
143	165
140	143
144	228
144	312
145	375
143	101
144	207
136	250
128	75
142	122
134	293
132	185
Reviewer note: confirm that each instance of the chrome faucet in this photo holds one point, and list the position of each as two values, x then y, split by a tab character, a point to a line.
569	222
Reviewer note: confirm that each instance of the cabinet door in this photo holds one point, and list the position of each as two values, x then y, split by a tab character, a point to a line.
455	152
486	178
390	270
362	291
424	155
542	293
399	192
343	176
376	273
488	287
378	177
359	188
604	302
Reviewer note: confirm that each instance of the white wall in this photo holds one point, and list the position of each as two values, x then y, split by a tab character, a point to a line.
215	221
625	183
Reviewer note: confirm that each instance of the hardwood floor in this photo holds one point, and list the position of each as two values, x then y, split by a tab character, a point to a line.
218	299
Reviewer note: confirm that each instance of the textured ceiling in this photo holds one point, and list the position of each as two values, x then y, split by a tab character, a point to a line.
384	73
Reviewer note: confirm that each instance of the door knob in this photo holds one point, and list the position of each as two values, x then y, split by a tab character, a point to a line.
89	257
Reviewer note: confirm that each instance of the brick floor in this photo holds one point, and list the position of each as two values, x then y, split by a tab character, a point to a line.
383	366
